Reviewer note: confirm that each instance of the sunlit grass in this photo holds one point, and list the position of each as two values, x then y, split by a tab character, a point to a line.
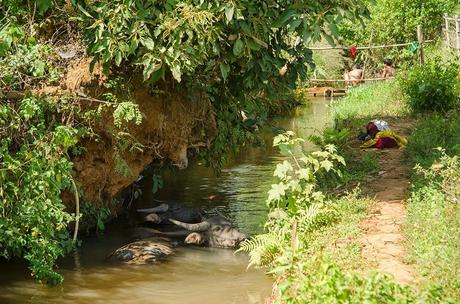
380	99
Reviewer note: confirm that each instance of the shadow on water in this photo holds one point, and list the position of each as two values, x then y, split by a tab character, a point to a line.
191	275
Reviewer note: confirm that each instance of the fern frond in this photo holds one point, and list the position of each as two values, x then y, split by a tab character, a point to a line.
262	249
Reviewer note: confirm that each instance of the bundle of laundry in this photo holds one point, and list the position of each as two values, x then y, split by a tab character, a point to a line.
379	135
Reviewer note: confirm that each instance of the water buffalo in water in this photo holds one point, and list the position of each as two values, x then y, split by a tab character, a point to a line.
162	213
215	231
143	252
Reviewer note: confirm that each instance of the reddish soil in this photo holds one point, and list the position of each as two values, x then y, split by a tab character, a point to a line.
172	126
383	240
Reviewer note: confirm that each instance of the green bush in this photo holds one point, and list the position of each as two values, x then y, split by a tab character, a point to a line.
432	87
434	203
434	131
34	169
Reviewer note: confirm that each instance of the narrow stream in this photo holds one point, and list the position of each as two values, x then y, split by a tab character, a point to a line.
192	274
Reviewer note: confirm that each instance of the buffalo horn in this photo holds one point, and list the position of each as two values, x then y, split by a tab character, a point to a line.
161	208
192	227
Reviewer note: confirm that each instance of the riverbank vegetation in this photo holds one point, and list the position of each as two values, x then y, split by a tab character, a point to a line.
311	242
323	263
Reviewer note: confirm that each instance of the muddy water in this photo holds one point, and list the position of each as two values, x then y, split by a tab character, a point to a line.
192	275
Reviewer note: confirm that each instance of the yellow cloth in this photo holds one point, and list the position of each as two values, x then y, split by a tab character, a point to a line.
401	141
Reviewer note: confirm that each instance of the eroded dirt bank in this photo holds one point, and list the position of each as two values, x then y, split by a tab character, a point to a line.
172	127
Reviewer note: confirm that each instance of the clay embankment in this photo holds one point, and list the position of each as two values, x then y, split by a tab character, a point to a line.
172	126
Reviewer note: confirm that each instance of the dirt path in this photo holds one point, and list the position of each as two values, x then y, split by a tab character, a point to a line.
383	240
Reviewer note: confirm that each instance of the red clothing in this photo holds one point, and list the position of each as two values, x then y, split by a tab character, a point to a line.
353	53
386	142
372	129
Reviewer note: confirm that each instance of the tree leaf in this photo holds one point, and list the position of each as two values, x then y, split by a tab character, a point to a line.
85	12
304	173
38	68
148	43
329	39
277	192
229	10
284	18
157	75
326	164
284	149
118	58
43	5
334	30
224	70
294	25
245	27
253	45
151	68
176	72
282	169
260	42
238	47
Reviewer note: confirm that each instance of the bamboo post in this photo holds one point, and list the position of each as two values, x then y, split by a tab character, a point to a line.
457	30
446	20
420	42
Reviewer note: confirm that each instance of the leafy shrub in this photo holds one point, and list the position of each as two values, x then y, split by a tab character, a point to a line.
298	176
298	207
34	169
432	87
331	136
23	60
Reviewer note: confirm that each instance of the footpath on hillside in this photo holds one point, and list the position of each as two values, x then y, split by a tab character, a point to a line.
383	241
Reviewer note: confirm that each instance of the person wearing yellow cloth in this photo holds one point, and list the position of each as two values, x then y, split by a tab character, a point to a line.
385	139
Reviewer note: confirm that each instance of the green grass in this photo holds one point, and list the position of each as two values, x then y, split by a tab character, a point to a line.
379	99
330	269
434	131
433	233
433	222
339	240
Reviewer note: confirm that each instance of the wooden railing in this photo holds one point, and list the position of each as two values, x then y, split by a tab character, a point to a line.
452	32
